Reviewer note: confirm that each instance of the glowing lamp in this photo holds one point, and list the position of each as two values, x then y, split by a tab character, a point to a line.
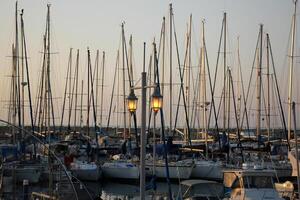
132	102
157	100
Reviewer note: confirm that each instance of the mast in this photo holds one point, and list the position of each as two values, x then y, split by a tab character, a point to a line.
258	88
291	70
76	90
48	96
88	95
96	74
102	89
81	106
171	81
13	95
203	81
163	55
124	92
188	76
224	68
239	96
17	63
23	83
268	89
27	72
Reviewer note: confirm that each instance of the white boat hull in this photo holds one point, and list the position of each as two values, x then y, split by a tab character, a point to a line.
176	170
121	170
86	171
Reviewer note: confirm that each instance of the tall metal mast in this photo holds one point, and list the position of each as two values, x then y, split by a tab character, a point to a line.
268	88
171	81
203	83
76	90
102	88
124	95
291	70
259	82
224	68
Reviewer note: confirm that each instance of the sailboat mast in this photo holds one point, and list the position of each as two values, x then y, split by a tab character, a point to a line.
163	56
27	72
48	96
124	92
258	86
48	72
18	97
189	67
224	77
22	71
81	106
291	70
239	97
88	95
268	89
102	88
204	90
96	74
76	90
171	81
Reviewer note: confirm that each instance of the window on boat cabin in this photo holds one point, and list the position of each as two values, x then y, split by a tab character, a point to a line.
258	182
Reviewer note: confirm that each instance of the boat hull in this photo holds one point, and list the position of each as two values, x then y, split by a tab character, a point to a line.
120	170
87	174
176	171
207	170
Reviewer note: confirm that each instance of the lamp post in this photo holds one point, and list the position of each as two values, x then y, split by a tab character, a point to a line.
156	104
132	102
131	106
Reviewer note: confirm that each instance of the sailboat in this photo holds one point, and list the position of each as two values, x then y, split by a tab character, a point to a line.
121	166
24	168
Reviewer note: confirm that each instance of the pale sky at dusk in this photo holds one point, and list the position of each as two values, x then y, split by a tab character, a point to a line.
96	24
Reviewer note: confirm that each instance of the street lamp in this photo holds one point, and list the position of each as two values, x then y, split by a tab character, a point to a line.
132	102
156	104
157	98
131	106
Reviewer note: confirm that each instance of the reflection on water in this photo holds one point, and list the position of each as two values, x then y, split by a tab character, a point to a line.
115	190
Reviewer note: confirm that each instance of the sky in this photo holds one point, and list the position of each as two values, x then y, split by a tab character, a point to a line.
96	24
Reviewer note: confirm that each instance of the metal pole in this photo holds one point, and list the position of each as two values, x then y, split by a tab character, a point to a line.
143	133
154	144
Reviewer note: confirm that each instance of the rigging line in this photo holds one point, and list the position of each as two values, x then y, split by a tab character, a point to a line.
249	84
243	91
216	72
27	74
213	105
183	72
65	93
278	92
181	78
113	90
